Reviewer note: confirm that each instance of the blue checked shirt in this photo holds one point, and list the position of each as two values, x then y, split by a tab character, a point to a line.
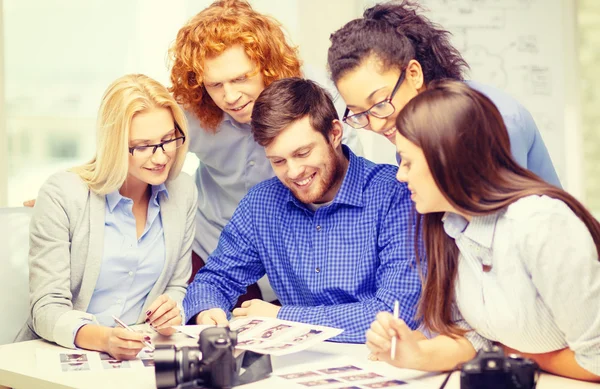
336	267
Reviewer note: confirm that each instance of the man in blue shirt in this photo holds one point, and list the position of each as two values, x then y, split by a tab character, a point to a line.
221	60
333	232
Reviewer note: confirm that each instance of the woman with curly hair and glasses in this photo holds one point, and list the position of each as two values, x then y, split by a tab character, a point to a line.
381	61
222	60
113	237
511	259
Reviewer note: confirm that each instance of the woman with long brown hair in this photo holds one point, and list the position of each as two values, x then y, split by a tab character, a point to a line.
510	258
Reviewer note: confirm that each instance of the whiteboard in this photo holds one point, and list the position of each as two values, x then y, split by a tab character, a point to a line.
526	48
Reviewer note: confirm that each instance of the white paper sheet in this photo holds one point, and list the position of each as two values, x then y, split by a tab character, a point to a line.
271	336
68	361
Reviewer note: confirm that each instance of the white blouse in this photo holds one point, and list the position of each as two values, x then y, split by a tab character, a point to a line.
542	290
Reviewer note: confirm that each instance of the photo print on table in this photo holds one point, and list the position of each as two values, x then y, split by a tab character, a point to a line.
115	364
340	369
75	366
361	377
307	335
385	384
324	381
245	326
274	331
73	357
302	374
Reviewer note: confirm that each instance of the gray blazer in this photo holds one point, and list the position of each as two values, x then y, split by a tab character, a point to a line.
66	241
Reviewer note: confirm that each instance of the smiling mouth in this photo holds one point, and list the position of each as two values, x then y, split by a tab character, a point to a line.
390	132
156	169
306	181
240	107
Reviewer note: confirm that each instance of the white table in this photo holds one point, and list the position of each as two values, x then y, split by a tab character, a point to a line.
18	369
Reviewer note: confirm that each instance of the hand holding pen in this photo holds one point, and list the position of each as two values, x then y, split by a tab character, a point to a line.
389	339
145	341
123	343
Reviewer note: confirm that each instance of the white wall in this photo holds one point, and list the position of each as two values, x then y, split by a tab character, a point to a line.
3	137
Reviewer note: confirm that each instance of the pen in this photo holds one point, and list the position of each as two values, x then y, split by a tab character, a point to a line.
119	322
394	340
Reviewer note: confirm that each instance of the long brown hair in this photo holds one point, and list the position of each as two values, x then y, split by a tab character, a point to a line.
467	148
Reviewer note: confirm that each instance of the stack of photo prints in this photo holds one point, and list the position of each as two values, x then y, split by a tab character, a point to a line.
272	336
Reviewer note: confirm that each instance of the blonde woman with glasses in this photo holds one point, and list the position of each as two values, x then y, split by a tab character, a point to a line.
113	237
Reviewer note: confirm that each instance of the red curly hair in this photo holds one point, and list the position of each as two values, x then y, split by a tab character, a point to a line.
223	24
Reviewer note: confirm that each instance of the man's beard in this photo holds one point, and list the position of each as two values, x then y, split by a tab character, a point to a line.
325	180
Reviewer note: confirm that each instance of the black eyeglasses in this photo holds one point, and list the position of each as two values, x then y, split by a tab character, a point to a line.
380	110
167	146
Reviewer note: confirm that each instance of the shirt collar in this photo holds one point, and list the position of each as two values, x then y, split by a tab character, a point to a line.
114	198
480	230
351	190
241	126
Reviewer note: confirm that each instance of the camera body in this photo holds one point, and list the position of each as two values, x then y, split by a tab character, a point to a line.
211	364
491	369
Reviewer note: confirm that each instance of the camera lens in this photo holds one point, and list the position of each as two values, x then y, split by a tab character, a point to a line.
174	366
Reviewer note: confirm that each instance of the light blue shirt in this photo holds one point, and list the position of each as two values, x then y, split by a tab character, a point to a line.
526	142
231	163
541	290
130	266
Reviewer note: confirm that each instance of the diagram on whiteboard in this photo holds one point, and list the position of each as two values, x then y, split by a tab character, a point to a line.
516	46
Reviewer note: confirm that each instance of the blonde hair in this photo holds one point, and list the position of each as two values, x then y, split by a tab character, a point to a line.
123	99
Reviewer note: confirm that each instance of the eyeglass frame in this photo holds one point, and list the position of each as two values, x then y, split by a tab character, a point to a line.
161	144
386	100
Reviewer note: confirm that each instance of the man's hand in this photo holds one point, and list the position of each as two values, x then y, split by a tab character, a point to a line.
29	203
214	316
257	307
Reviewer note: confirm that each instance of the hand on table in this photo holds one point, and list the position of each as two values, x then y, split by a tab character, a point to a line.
257	307
214	316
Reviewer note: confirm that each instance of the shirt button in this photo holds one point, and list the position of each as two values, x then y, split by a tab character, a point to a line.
318	228
130	274
318	269
251	163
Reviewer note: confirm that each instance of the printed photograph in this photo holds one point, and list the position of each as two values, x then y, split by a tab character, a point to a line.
349	387
305	336
279	347
146	353
324	381
385	384
250	342
115	364
359	377
148	362
302	374
75	366
72	357
341	369
245	327
270	332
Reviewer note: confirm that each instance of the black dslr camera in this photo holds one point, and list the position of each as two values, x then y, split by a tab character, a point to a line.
210	365
490	369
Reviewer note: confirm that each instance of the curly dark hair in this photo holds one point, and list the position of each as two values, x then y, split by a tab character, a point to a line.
395	33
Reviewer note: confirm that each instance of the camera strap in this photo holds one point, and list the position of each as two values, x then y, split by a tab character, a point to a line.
257	367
